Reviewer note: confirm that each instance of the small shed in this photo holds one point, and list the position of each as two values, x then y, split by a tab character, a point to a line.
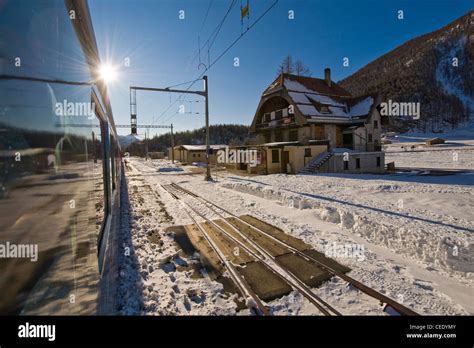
194	153
156	155
435	141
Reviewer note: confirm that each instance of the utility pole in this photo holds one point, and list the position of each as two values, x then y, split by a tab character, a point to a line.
206	103
146	146
172	145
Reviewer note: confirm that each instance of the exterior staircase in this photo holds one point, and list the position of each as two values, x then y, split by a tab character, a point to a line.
316	163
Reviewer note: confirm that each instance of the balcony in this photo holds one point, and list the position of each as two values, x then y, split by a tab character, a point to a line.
282	122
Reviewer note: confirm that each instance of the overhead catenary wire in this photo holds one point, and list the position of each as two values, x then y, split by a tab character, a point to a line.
205	17
222	54
214	34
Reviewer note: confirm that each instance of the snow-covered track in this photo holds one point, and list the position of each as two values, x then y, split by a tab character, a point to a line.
262	255
251	299
398	307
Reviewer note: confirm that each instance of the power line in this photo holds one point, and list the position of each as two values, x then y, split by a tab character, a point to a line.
205	17
240	37
180	84
223	53
179	96
198	53
221	24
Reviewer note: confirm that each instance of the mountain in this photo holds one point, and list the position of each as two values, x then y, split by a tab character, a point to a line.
126	140
435	69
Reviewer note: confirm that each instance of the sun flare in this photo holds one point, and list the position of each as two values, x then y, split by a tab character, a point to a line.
108	73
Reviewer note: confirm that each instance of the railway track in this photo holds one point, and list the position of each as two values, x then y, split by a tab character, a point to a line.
263	255
251	299
259	254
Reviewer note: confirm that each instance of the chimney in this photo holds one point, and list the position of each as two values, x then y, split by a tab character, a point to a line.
327	76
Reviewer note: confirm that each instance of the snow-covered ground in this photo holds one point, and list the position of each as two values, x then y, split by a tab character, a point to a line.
154	276
409	152
414	236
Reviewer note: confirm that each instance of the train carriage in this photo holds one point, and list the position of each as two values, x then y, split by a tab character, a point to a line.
60	166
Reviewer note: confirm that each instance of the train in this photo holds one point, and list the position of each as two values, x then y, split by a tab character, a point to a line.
60	164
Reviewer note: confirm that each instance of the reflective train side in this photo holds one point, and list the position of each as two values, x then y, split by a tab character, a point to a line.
60	165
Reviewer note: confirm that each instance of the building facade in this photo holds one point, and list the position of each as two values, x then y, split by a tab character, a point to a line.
309	124
188	154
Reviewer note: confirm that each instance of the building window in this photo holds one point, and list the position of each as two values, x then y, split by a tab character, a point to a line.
370	138
278	114
307	152
357	163
378	161
376	124
275	156
194	155
346	165
324	109
294	135
266	117
319	132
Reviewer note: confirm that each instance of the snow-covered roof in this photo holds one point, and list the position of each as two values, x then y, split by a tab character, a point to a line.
285	143
280	143
310	95
201	147
362	107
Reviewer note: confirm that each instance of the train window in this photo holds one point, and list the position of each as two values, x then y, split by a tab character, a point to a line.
118	162
98	175
51	151
112	162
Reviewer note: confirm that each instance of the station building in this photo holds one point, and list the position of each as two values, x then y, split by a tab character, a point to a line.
308	125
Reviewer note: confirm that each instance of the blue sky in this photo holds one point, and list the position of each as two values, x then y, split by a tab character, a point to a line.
161	47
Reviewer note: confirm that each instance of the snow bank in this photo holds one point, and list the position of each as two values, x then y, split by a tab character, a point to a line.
413	239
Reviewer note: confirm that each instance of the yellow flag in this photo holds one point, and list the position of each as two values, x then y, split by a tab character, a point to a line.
244	11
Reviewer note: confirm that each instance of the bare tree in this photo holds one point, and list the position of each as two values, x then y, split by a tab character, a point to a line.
286	67
301	69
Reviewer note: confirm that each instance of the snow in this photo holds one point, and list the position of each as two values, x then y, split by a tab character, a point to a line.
296	86
319	98
448	77
299	98
308	110
150	279
202	147
126	140
280	143
407	226
445	156
303	98
418	237
362	107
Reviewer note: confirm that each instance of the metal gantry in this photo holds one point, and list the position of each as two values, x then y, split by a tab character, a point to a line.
133	114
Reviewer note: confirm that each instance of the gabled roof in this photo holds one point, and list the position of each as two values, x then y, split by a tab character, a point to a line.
200	147
306	84
308	94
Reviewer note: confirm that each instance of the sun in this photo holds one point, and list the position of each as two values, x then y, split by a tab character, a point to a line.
108	73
